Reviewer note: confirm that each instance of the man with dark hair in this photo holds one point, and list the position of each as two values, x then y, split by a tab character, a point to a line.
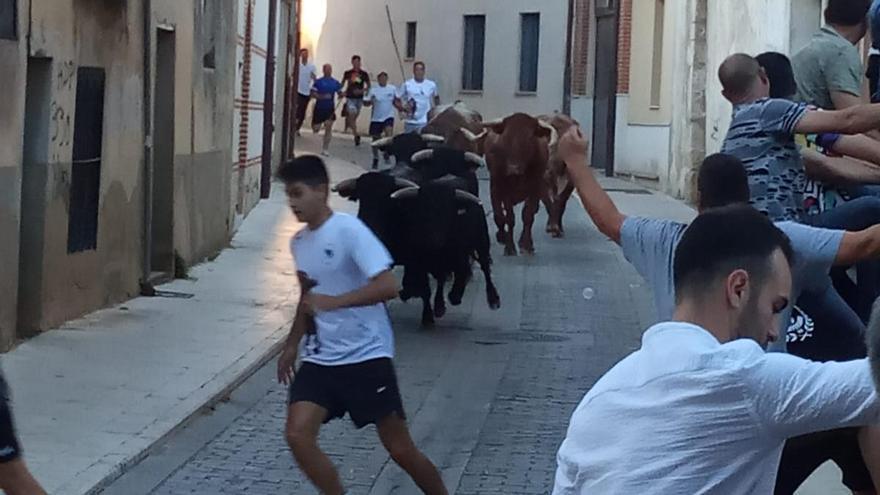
718	408
357	83
873	71
416	99
307	76
829	69
343	334
649	245
381	98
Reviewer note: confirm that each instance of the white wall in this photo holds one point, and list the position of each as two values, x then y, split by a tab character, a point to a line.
362	27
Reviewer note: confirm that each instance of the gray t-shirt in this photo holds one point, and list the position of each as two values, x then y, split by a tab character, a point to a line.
761	135
649	245
828	63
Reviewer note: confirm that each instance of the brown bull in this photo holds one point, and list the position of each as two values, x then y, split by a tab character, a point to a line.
448	120
517	155
560	187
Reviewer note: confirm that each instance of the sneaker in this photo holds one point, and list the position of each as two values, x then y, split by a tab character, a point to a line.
375	163
357	140
298	134
325	153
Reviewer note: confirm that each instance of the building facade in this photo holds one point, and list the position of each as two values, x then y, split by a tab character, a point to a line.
116	142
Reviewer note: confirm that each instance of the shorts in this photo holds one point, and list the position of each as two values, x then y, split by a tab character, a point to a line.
378	128
804	454
413	127
321	115
10	449
367	391
825	140
354	105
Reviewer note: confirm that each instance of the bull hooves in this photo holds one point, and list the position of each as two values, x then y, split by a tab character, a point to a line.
439	312
495	306
427	324
509	252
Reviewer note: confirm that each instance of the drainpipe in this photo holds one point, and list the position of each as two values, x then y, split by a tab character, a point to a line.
146	286
566	87
269	104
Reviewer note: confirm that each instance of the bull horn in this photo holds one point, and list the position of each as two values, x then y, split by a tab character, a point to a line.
422	155
382	142
345	187
433	138
492	122
407	193
474	158
471	136
403	183
554	135
466	196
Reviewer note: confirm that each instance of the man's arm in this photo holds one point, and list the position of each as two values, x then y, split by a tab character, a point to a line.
859	246
857	119
839	170
599	205
843	100
287	360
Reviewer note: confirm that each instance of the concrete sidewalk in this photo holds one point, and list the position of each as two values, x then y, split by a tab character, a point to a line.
93	396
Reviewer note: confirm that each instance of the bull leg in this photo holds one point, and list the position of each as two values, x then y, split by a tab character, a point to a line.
484	258
509	247
563	204
439	301
530	208
420	286
550	204
498	213
462	277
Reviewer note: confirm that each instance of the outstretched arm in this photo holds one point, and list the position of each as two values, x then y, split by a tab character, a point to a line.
600	207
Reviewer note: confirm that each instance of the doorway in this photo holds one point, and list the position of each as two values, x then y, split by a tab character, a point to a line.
162	218
605	101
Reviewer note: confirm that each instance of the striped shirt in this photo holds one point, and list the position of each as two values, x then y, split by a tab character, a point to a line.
761	135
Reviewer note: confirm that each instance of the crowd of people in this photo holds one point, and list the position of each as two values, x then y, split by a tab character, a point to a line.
414	99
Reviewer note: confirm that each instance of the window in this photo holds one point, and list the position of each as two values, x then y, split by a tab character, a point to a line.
657	58
410	40
528	52
474	48
209	33
8	20
88	139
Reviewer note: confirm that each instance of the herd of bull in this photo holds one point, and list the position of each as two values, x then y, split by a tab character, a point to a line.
427	211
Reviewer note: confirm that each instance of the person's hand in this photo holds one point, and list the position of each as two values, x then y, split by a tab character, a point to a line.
319	303
572	145
285	365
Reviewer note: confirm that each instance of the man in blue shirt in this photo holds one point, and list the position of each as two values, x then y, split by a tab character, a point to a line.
874	59
324	92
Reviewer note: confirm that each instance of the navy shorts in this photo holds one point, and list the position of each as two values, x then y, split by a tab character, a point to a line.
321	115
378	128
367	391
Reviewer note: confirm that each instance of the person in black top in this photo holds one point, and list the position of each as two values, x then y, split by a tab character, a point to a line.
15	478
357	84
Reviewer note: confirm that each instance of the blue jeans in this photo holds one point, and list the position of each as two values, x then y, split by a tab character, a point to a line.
857	214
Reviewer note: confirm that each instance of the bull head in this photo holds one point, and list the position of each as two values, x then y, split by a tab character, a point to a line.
472	158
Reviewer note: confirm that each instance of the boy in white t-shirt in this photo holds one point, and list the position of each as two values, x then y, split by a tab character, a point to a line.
416	99
346	353
381	98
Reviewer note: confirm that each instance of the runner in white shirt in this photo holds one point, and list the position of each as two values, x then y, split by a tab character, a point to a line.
416	98
307	75
701	408
343	334
381	98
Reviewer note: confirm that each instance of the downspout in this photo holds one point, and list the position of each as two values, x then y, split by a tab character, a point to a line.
147	287
269	104
566	86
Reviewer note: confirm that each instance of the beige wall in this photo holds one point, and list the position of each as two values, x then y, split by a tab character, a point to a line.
362	27
641	110
12	78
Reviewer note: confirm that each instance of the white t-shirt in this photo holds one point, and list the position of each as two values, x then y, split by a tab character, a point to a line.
342	255
305	78
423	94
383	102
687	414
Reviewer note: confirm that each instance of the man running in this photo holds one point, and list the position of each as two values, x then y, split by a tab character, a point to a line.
357	83
307	76
343	333
416	99
381	98
324	92
15	478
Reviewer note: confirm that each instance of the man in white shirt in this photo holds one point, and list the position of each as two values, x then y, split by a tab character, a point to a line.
381	98
307	75
702	408
416	99
343	334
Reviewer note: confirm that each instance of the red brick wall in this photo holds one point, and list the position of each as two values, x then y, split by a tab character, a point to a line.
624	42
581	48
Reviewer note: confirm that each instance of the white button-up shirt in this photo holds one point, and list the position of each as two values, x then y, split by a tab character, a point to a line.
686	414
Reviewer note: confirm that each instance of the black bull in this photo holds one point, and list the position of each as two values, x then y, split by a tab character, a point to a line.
435	227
